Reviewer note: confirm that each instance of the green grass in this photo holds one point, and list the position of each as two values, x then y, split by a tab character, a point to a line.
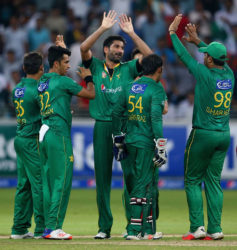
81	220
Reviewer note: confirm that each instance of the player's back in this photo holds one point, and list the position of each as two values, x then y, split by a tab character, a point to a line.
144	104
213	95
55	93
25	96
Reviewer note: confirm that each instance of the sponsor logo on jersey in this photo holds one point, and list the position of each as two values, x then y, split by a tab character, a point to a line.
103	89
43	86
104	74
19	92
138	88
224	84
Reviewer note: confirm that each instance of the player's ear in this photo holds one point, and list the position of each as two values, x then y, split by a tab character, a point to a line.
106	49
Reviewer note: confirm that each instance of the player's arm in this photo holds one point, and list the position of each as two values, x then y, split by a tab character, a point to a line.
117	114
127	26
88	92
107	22
165	110
160	156
156	114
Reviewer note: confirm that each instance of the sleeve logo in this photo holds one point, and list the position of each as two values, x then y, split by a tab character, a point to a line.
224	84
43	86
19	92
138	88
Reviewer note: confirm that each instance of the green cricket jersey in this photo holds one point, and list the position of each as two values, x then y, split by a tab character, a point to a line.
55	94
213	90
24	97
144	101
108	88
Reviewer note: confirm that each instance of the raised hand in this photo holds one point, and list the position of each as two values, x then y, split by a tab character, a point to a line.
109	19
126	24
60	42
192	37
83	72
175	24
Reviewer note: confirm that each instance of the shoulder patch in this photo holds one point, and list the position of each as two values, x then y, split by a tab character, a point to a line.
43	86
224	84
138	88
19	92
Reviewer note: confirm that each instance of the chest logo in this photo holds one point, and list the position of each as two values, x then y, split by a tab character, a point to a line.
118	75
138	88
43	86
19	92
103	88
224	84
104	74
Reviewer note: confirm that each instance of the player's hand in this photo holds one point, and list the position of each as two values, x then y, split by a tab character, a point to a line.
192	37
109	19
126	24
175	24
60	42
160	157
119	147
83	72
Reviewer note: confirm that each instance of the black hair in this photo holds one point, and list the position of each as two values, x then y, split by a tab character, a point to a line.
32	62
150	64
55	53
109	40
134	52
218	62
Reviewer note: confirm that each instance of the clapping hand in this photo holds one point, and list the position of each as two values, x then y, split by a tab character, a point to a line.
60	42
126	24
109	19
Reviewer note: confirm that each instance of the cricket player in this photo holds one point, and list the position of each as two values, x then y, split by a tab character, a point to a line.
55	93
109	77
210	137
126	199
144	101
29	195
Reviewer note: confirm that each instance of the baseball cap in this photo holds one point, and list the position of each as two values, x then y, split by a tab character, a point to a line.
216	50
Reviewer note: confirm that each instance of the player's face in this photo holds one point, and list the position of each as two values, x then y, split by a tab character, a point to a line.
64	65
115	51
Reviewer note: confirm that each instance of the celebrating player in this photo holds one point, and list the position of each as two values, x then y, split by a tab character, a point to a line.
109	77
144	101
55	92
29	194
210	137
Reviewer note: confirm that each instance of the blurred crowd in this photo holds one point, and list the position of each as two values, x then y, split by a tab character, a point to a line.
27	25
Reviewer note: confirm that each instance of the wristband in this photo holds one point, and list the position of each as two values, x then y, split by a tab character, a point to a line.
88	79
172	30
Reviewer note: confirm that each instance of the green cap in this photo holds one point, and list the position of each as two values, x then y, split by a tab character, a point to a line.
215	50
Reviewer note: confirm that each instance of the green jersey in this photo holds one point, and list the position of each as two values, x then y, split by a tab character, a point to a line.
55	94
143	100
24	97
213	90
108	88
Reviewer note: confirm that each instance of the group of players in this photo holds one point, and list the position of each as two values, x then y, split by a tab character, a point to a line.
128	103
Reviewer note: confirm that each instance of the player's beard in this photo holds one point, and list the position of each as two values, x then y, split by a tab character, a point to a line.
115	57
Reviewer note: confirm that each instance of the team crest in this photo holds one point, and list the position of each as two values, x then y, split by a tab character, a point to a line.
224	84
19	92
138	88
43	86
103	74
118	75
103	87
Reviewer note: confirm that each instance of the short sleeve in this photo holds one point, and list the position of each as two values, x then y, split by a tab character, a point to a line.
71	86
